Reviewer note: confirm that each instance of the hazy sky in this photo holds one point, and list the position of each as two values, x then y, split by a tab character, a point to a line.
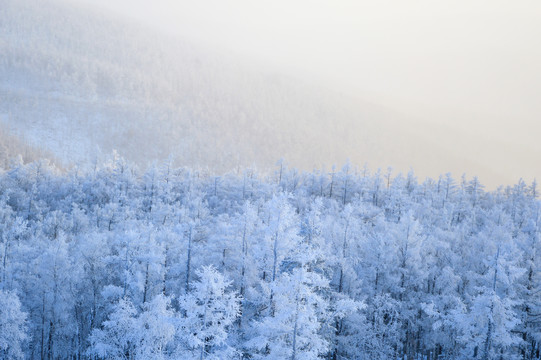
471	65
481	56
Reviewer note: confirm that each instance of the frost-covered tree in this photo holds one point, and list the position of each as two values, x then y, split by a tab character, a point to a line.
13	333
293	330
117	337
102	262
208	312
490	327
155	330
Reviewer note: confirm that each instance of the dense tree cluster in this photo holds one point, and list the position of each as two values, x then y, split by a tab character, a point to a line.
175	263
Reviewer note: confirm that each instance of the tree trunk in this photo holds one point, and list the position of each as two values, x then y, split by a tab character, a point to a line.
188	260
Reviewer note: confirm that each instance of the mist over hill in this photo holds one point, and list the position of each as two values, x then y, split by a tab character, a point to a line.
171	217
81	83
14	151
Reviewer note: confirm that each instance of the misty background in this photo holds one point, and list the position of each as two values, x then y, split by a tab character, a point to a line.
434	86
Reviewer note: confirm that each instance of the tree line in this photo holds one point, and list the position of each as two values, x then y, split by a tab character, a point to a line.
116	263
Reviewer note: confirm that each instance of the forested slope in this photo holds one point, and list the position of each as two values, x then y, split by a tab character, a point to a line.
80	83
174	263
14	149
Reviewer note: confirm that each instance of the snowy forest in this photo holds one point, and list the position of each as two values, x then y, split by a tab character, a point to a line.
176	263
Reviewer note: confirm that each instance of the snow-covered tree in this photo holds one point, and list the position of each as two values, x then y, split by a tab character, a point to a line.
155	330
102	262
293	330
12	326
208	312
117	338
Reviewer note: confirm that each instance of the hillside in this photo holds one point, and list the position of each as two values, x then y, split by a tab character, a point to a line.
81	83
15	151
164	200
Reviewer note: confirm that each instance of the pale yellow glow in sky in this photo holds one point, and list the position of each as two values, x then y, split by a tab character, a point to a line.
469	65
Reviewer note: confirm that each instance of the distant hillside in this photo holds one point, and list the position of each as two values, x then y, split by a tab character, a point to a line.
81	83
13	150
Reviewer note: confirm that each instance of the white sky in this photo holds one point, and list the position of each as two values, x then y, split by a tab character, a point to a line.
479	54
469	64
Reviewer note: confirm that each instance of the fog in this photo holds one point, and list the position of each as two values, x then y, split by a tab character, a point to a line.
472	66
455	86
479	57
